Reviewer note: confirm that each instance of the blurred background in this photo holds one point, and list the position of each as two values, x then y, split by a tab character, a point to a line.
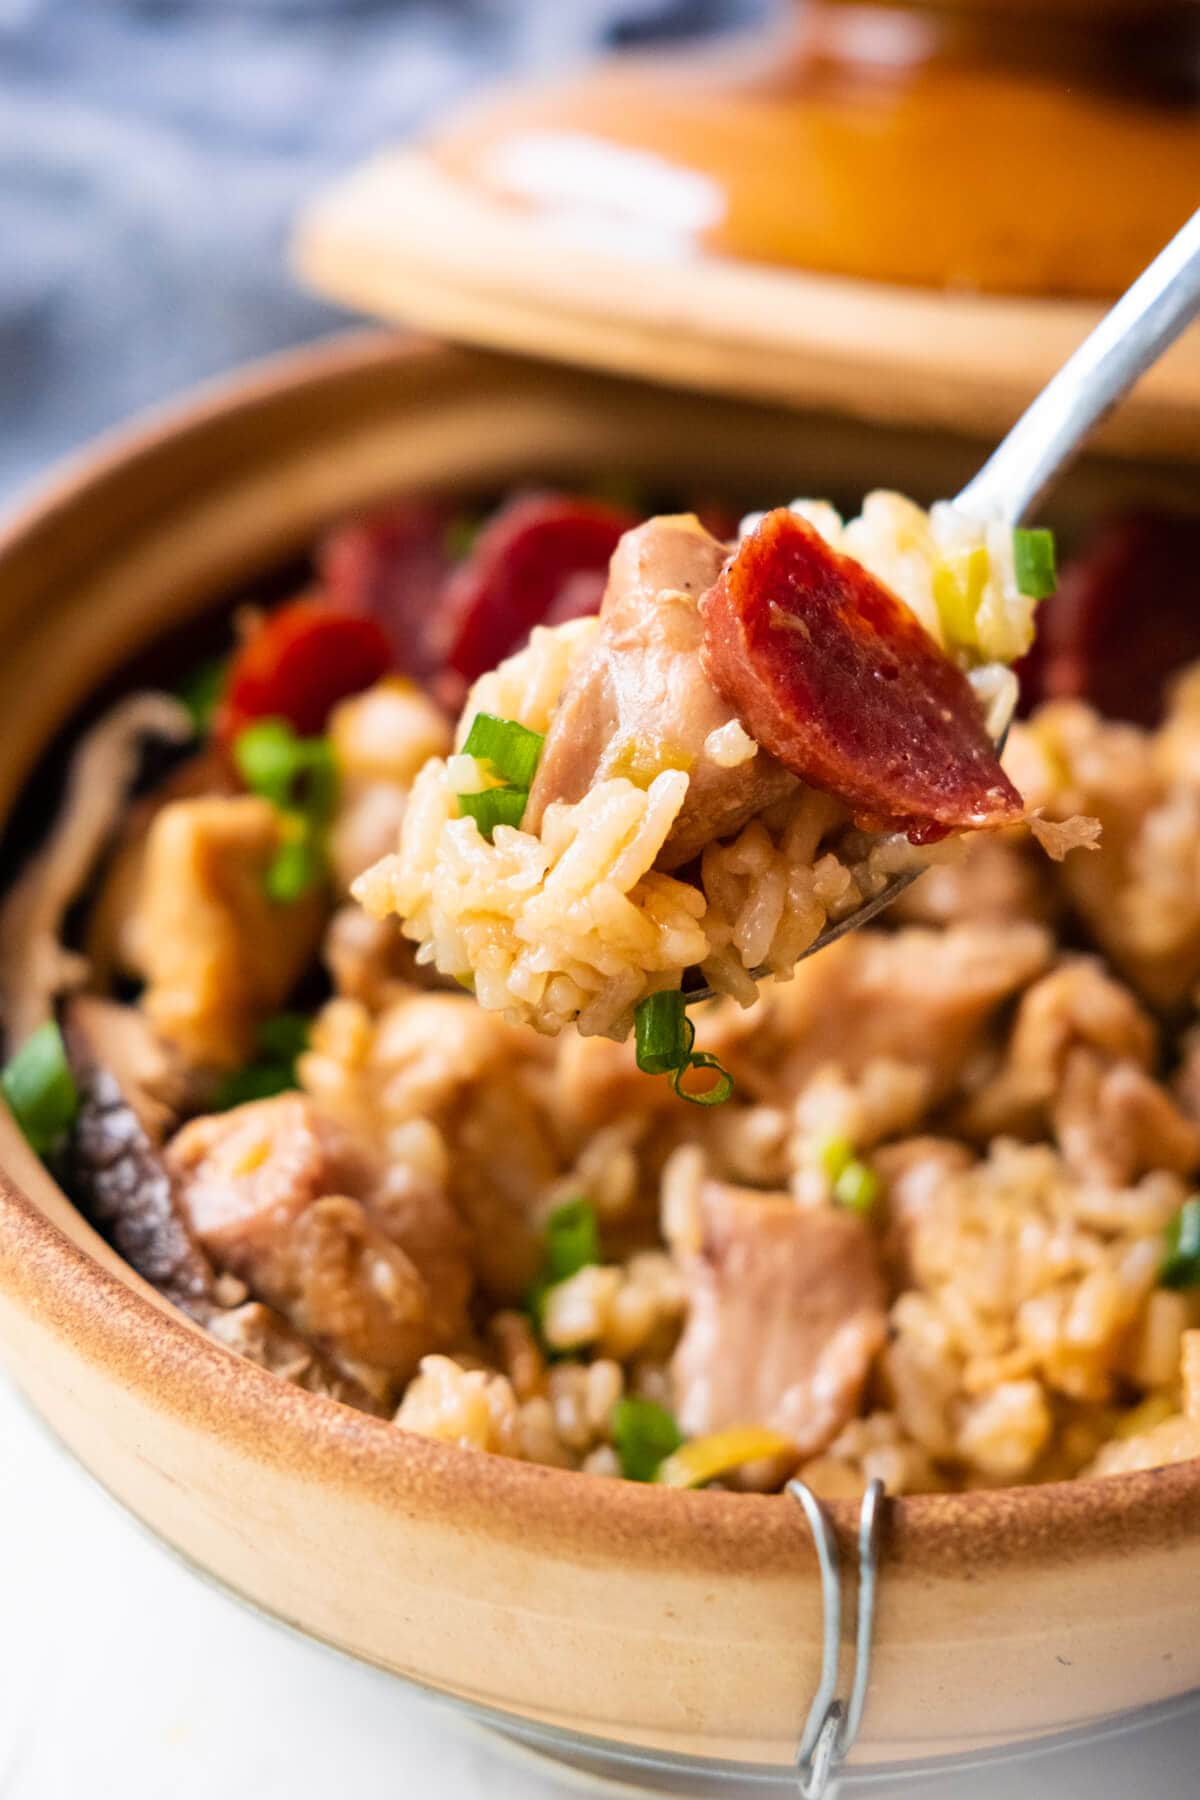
153	154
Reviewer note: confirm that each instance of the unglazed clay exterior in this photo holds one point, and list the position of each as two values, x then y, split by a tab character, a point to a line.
686	1623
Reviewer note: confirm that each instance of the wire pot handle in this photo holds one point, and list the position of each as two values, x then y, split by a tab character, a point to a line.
832	1724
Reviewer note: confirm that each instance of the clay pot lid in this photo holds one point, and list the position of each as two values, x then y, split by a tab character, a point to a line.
897	212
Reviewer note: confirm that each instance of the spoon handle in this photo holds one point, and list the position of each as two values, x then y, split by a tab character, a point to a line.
1146	319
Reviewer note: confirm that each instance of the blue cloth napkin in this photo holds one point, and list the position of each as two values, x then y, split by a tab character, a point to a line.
154	152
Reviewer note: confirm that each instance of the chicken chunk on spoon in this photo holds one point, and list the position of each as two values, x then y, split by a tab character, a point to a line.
641	702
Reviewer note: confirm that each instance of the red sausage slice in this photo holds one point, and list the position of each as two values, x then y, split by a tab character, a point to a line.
392	567
833	675
526	570
298	664
1126	616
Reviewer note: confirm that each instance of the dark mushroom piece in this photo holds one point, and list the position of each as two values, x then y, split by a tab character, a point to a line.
131	1096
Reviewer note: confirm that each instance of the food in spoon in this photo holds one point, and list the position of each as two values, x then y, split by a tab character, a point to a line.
745	745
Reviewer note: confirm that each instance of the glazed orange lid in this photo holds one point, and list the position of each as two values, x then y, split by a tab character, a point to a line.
899	210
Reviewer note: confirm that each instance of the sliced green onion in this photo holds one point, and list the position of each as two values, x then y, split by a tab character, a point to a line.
261	1081
644	1435
202	691
299	777
833	1154
1033	556
266	759
281	1040
283	1037
663	1033
513	750
296	867
295	774
664	1037
1181	1259
40	1089
716	1094
572	1239
857	1187
495	806
572	1243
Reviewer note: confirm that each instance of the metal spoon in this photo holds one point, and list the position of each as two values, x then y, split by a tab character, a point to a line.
1145	321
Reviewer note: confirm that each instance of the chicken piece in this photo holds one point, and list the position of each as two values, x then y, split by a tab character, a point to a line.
111	941
1115	1123
284	1199
926	998
249	1174
640	702
1077	1006
218	955
440	1062
352	1287
262	1336
1139	894
786	1313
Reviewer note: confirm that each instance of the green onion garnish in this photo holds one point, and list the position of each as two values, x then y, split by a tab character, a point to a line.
295	774
572	1243
283	1037
856	1187
663	1033
261	1081
281	1040
716	1093
201	693
512	749
572	1239
266	760
40	1089
299	777
1181	1259
495	806
644	1435
1033	556
664	1037
295	868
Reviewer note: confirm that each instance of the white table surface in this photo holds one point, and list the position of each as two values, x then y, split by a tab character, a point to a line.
122	1674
